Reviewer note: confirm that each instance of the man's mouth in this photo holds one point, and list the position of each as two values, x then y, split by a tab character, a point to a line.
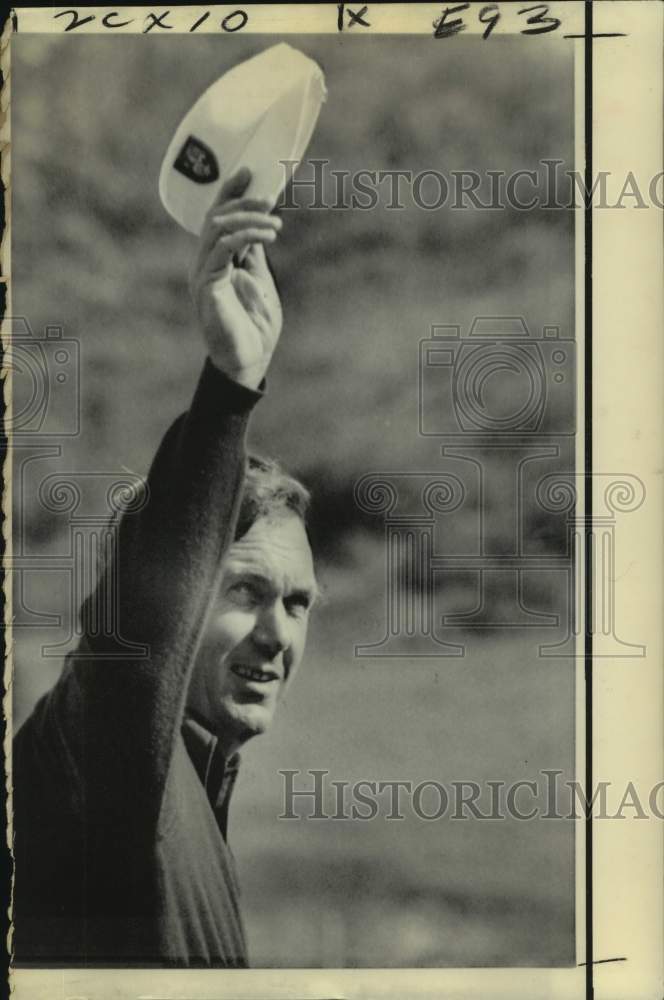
254	673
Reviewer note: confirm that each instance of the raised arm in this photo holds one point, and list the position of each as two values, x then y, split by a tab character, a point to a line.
118	718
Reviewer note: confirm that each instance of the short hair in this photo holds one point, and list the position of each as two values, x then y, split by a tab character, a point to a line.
269	492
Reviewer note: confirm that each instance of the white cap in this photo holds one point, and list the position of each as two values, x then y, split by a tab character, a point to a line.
261	112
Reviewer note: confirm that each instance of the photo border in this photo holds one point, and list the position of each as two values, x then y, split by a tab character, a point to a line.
598	65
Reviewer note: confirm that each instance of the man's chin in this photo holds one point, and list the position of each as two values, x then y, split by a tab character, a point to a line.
243	722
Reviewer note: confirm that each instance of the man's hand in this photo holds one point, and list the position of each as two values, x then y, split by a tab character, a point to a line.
237	305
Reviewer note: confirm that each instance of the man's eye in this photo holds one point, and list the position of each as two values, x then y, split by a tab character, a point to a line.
297	605
244	593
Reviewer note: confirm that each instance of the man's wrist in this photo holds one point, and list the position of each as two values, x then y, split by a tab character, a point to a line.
232	386
250	377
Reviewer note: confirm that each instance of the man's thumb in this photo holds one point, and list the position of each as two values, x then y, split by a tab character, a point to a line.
256	261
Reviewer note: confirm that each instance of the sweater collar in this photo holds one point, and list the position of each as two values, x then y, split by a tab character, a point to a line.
217	774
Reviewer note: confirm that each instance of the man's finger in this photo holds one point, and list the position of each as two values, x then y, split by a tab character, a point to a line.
235	186
226	224
215	216
244	204
226	246
255	261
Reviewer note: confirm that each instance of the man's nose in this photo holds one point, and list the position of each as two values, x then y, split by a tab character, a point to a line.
272	633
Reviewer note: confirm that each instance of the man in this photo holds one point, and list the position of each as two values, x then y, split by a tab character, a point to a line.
123	772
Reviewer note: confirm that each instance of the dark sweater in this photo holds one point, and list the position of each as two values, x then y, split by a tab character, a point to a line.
120	802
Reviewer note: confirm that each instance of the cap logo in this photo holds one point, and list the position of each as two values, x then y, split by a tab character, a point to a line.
197	162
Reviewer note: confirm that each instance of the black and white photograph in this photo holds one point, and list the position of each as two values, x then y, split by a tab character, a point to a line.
301	465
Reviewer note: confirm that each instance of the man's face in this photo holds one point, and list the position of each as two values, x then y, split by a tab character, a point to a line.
255	636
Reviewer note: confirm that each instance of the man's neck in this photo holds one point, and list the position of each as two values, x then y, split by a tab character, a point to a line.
228	745
227	742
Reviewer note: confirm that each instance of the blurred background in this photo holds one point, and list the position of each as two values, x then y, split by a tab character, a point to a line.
95	253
